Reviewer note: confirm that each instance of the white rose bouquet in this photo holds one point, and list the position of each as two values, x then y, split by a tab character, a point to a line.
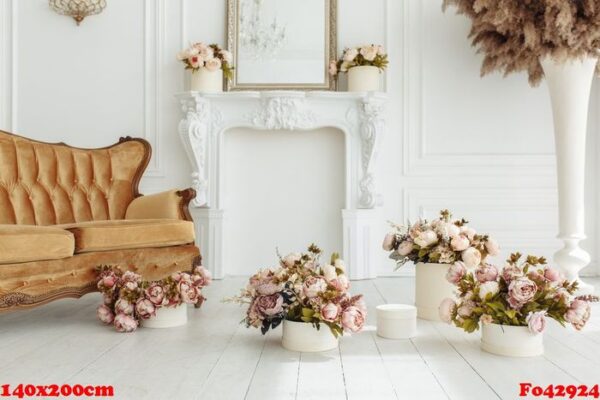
211	57
373	55
441	241
302	289
522	294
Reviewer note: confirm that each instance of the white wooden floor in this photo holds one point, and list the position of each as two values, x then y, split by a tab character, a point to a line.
214	357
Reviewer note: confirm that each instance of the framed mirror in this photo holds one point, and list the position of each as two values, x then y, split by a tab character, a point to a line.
282	44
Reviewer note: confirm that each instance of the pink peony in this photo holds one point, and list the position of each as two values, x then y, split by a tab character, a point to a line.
107	299
213	64
536	321
469	232
426	239
107	282
205	274
227	56
329	272
353	319
188	292
125	323
389	242
313	286
350	54
553	275
447	229
145	308
578	313
122	306
105	314
511	272
492	248
446	309
456	272
291	259
156	294
521	291
330	312
405	248
471	257
270	305
267	288
460	243
341	283
465	309
486	273
131	280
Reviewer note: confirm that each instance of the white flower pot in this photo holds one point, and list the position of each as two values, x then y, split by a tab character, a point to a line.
304	337
167	317
396	321
512	341
364	78
569	84
207	81
431	288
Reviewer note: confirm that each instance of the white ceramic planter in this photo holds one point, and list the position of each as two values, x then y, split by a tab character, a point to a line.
302	336
569	84
364	78
167	317
396	321
511	341
207	81
431	288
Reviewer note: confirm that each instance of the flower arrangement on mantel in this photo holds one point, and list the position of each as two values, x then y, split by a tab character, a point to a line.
523	293
514	35
128	298
302	289
441	241
369	55
212	57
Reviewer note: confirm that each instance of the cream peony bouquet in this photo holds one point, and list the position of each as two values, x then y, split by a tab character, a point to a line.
441	241
212	57
369	55
521	294
303	289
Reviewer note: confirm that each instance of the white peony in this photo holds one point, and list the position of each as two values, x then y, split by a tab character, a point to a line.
350	55
471	257
328	272
426	239
369	52
488	287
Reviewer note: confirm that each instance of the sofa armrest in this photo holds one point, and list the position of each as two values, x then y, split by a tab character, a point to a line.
172	204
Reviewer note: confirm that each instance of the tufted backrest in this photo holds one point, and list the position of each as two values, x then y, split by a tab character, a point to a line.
48	184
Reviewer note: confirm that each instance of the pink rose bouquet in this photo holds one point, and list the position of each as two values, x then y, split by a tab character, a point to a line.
522	294
303	289
211	57
127	298
369	55
441	241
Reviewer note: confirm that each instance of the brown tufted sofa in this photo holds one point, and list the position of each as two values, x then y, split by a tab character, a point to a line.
65	210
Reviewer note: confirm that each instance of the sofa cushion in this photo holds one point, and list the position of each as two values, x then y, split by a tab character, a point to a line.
129	234
25	243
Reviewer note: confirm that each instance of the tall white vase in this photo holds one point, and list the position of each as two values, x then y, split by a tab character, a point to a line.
570	85
431	288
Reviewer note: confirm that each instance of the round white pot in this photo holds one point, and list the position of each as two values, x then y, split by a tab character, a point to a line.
431	288
569	84
364	78
512	341
303	337
167	317
396	321
207	81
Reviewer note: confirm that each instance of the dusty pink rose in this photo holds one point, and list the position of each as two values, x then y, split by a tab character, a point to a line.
341	283
471	257
455	272
511	272
578	313
156	294
145	308
213	64
521	291
330	312
536	322
122	306
105	314
125	323
492	248
389	242
270	305
313	286
107	281
188	292
353	319
405	248
553	275
460	243
486	273
446	309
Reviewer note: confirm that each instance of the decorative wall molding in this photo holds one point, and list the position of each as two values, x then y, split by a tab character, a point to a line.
359	116
8	65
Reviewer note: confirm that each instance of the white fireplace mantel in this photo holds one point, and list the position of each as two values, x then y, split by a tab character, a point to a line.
358	115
